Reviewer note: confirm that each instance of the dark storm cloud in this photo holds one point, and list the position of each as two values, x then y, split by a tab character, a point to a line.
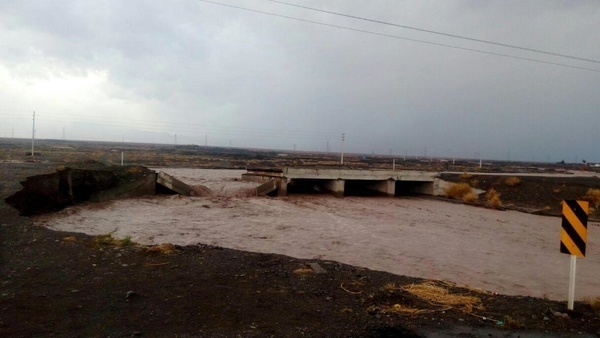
194	68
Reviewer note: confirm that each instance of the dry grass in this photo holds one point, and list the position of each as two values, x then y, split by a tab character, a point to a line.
304	271
166	248
465	176
439	295
391	287
513	323
470	197
400	309
109	240
134	171
69	239
493	199
593	196
474	183
458	190
512	181
594	303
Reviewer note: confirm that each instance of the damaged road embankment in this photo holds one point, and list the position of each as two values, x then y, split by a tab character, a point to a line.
72	185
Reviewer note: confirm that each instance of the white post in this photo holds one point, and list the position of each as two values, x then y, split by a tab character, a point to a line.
121	159
572	282
394	165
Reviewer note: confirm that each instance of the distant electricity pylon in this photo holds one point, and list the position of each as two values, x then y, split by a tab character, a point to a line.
342	153
33	136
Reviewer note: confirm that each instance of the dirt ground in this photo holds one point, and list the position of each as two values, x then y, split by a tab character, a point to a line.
63	284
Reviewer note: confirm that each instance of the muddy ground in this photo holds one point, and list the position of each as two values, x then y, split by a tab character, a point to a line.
73	285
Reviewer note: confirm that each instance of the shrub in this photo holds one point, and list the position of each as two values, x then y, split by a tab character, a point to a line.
458	190
594	303
512	181
470	197
513	323
135	171
593	196
474	183
109	240
465	175
165	248
493	199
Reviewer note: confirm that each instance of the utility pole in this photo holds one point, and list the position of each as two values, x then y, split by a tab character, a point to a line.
63	133
33	136
175	139
294	146
342	154
205	140
327	145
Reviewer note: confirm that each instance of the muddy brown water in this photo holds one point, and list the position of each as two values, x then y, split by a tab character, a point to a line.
507	252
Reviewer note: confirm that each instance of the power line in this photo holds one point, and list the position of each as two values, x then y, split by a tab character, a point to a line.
161	125
438	33
190	128
402	38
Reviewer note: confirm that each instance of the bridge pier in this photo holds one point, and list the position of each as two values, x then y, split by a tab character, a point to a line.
282	186
336	187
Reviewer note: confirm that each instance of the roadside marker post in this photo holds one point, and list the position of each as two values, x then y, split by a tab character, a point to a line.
573	238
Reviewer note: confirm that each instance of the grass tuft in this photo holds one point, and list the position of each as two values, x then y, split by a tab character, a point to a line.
109	240
439	295
458	190
594	303
593	196
166	249
493	199
470	197
465	175
304	271
512	181
513	323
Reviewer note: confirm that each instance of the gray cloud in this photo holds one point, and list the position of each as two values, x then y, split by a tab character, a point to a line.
193	68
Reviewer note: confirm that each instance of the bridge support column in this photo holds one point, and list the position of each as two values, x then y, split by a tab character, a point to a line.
282	184
387	188
336	187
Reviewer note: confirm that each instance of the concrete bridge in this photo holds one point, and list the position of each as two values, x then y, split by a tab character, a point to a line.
343	182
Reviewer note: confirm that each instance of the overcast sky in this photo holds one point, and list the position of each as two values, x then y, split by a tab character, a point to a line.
145	71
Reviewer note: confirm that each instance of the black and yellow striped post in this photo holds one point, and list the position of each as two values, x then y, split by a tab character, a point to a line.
573	237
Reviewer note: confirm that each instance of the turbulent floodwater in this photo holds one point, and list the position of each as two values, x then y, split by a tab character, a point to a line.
501	251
